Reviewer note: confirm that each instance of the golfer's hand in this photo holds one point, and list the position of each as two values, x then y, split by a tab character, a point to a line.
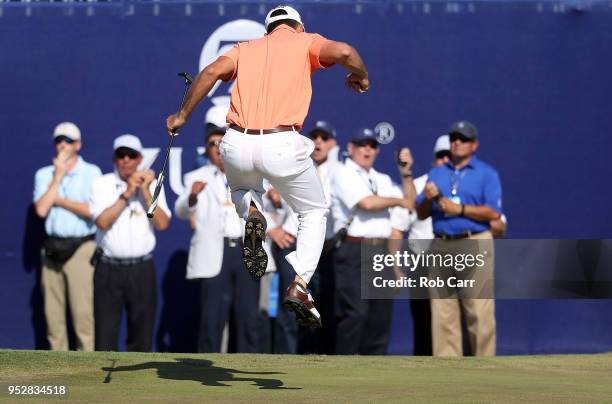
274	197
431	190
356	83
174	123
281	237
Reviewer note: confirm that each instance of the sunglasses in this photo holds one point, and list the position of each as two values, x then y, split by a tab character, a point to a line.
442	154
62	138
367	142
323	135
124	152
460	137
214	143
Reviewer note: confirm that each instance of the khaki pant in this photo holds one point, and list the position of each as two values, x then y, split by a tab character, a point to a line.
73	278
479	313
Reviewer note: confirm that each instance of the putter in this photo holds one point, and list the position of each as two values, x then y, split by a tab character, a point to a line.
162	173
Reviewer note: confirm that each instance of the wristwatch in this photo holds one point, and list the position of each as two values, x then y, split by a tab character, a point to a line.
125	198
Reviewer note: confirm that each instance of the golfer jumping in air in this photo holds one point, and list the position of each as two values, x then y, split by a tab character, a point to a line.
269	103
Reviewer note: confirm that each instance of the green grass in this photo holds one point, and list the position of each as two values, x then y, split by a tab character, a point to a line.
185	378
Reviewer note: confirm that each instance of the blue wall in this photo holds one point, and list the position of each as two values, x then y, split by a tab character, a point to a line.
534	77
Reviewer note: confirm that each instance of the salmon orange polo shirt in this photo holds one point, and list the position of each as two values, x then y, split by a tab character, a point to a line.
273	76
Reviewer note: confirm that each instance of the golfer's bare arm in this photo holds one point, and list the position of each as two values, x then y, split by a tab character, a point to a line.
344	55
220	69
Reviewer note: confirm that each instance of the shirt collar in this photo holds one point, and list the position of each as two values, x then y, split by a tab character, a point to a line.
351	164
78	167
473	163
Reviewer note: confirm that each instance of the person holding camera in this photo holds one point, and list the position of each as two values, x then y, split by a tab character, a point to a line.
463	196
125	275
362	199
61	192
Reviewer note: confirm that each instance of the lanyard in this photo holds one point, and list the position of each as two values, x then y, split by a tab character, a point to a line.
455	182
369	182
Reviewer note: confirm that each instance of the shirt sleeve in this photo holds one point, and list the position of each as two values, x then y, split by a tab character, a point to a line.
233	54
314	51
41	183
493	192
101	197
350	188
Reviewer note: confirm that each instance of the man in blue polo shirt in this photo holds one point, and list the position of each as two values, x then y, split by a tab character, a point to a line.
462	197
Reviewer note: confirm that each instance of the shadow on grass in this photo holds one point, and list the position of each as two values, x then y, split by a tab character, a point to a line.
203	371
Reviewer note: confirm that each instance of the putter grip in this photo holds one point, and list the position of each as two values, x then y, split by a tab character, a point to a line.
155	198
152	208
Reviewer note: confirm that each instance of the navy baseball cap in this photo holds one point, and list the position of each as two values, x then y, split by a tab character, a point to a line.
322	126
465	129
364	136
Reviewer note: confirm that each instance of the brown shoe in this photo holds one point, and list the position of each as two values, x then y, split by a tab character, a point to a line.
302	304
254	256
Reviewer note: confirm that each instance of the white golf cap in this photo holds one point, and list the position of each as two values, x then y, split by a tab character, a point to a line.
67	129
291	14
129	141
217	115
442	144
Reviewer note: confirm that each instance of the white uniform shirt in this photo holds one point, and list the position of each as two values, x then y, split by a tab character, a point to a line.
349	185
214	217
132	235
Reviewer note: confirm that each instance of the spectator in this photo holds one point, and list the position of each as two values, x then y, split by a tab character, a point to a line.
61	192
361	198
215	118
227	290
125	275
462	196
325	158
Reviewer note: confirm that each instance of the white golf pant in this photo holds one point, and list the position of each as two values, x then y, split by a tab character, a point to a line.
283	159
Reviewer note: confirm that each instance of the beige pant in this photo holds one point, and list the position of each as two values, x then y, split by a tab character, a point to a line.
479	313
75	279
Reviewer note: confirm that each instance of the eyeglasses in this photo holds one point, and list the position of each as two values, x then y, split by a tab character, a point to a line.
214	143
62	138
460	137
124	152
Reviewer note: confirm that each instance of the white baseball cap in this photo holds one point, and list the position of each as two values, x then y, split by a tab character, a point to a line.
129	141
216	115
67	129
442	144
291	14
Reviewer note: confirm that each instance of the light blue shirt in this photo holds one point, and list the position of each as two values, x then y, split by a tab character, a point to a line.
75	186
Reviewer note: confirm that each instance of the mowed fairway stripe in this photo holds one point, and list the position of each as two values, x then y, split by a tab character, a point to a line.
186	378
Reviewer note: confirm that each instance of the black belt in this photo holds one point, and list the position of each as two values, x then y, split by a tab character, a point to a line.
459	236
76	239
126	261
278	129
232	241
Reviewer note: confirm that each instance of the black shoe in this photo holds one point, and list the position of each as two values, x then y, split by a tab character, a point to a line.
302	305
253	254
